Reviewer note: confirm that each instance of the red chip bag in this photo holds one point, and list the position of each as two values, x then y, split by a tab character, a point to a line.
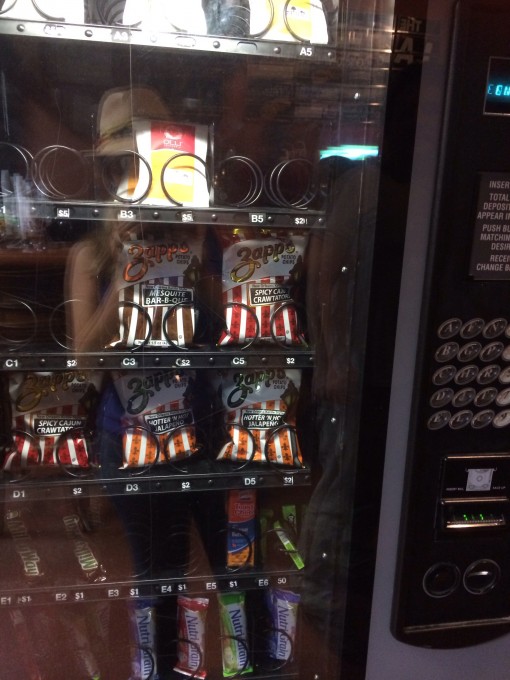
259	277
50	414
158	422
260	409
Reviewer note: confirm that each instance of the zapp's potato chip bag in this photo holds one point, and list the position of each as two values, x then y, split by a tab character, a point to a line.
158	422
157	292
259	279
50	413
260	415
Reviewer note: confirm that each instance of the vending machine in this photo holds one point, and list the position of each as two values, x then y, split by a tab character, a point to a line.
440	607
190	255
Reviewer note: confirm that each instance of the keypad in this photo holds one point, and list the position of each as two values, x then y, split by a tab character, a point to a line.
470	383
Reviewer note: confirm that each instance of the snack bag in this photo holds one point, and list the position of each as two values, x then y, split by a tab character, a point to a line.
241	530
69	11
234	635
177	156
157	292
282	608
259	278
260	414
143	623
186	16
158	422
296	21
191	619
50	412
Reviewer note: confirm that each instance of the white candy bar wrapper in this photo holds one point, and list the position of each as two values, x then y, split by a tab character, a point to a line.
186	16
70	11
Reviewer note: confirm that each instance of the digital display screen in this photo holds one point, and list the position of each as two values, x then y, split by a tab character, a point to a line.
497	92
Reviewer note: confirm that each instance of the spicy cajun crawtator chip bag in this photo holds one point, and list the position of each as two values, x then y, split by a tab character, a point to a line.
158	423
260	415
157	291
260	273
50	412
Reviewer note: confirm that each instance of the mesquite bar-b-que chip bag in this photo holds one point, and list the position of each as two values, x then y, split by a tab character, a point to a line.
156	285
259	277
158	422
260	416
50	414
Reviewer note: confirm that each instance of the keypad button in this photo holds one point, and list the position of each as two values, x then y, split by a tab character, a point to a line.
491	351
482	419
486	397
502	419
504	376
444	375
495	328
488	374
503	398
460	420
449	328
469	352
446	352
439	420
466	374
506	353
472	328
464	397
441	579
441	397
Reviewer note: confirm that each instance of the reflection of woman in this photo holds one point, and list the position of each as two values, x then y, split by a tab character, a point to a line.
90	285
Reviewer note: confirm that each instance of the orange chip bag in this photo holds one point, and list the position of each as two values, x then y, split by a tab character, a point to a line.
158	422
260	413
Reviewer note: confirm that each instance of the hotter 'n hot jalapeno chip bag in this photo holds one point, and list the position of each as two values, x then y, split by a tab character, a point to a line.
259	278
260	416
157	291
50	412
158	422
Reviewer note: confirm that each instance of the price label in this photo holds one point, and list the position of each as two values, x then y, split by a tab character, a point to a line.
257	218
301	221
63	213
121	35
306	52
288	481
24	599
9	364
54	30
187	217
